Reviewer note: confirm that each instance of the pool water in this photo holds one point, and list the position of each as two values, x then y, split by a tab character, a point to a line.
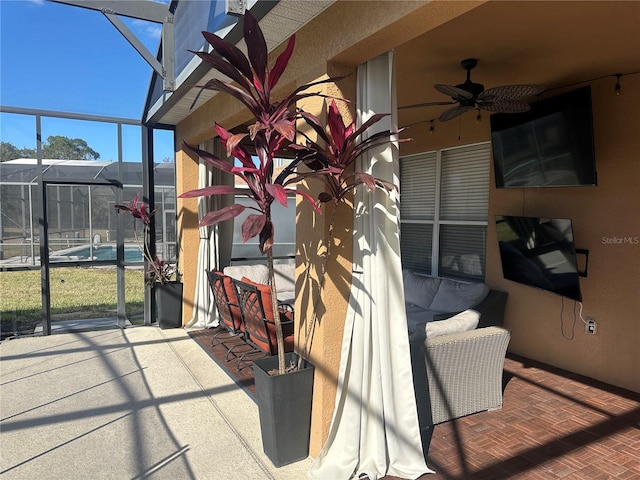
102	252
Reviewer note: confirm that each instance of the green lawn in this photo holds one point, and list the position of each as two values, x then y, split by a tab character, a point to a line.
75	293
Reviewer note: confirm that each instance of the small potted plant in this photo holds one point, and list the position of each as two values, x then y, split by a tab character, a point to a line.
162	276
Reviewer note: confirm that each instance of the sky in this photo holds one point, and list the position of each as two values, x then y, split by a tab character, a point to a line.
65	58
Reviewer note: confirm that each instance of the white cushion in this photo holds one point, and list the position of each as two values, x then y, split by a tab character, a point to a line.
258	272
288	297
285	277
419	290
455	296
467	320
416	315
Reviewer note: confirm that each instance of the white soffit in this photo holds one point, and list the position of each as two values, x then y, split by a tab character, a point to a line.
286	18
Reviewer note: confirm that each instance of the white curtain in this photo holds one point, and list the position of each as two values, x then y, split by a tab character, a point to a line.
374	430
212	249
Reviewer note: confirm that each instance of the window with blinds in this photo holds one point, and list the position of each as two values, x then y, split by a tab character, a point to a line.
444	199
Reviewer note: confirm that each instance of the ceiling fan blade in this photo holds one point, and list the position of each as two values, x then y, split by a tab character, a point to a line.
452	113
428	104
504	106
454	92
509	92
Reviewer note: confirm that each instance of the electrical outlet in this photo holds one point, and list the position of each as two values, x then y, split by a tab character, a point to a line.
590	326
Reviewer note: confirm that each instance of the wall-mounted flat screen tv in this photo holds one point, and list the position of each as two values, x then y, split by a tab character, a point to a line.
540	253
551	145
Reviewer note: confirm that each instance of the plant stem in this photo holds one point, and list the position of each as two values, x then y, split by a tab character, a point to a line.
274	303
144	248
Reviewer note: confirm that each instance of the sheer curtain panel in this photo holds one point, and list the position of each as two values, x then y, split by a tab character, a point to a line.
374	430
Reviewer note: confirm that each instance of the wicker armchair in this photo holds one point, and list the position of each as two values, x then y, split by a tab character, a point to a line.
457	374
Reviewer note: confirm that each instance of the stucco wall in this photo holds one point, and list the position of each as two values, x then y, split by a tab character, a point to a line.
600	215
611	290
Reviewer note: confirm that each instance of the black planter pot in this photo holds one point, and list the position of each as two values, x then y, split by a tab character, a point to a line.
168	304
284	403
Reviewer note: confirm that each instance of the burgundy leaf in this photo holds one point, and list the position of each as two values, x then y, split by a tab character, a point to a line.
314	123
298	177
210	158
286	128
253	180
258	86
374	119
226	213
253	225
308	198
239	151
381	138
230	52
256	46
266	237
255	129
208	191
368	180
261	149
336	125
237	93
143	214
294	96
225	68
233	141
278	192
281	63
324	197
122	208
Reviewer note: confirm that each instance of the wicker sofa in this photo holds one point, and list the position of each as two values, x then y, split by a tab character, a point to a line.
458	360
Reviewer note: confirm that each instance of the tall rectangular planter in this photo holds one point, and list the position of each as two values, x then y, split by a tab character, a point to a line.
168	304
284	404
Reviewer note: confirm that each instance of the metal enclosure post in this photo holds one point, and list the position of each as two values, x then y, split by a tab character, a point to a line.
148	196
120	278
44	254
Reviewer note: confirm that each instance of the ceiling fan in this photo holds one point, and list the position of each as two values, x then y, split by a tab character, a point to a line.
470	95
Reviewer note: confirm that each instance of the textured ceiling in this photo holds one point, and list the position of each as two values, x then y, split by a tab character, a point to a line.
554	44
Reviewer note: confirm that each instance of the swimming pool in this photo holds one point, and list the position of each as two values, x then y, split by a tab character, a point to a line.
102	252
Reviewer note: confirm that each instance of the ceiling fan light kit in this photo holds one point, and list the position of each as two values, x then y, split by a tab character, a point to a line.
471	96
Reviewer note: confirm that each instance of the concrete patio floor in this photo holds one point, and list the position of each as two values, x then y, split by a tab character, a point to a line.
128	404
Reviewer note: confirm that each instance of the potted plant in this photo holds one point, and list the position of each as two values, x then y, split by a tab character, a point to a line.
273	130
162	276
283	393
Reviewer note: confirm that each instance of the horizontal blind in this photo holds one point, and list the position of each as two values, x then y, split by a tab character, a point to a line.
416	246
418	187
464	193
462	251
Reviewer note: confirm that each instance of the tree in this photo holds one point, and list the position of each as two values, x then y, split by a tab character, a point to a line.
57	147
9	151
64	148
